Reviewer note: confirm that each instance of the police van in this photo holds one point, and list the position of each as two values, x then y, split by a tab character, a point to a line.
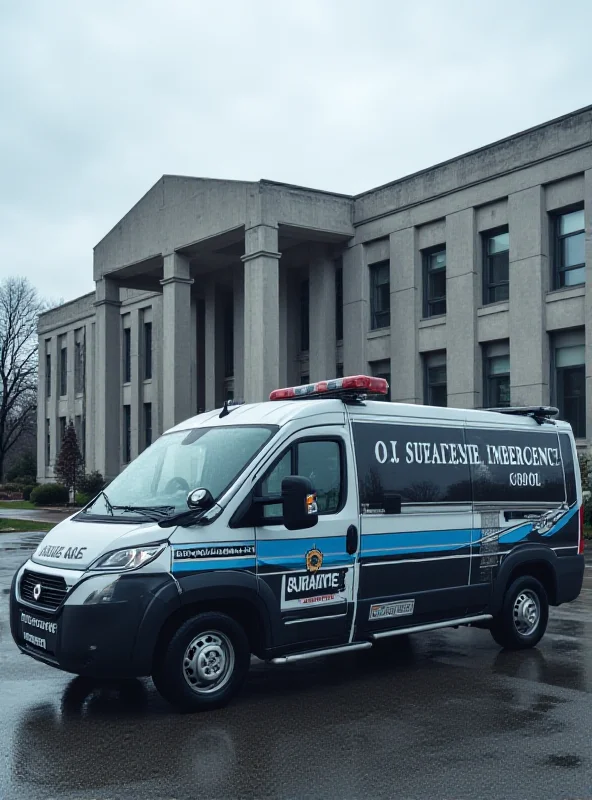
317	523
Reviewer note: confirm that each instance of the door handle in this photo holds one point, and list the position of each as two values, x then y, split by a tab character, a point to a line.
351	540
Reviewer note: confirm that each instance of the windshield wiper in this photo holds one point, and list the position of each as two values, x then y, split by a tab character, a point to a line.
156	512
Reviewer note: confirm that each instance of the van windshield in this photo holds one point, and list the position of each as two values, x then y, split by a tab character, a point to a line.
158	481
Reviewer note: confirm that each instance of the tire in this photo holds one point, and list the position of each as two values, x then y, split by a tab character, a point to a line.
522	620
205	663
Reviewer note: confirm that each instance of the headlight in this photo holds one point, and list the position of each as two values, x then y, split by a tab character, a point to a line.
130	558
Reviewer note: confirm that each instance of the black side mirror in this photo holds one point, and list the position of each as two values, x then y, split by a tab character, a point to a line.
200	498
299	501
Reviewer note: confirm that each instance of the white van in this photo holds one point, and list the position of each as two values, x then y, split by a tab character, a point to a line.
314	524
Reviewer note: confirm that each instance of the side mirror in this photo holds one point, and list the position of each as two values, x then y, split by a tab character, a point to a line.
299	501
200	498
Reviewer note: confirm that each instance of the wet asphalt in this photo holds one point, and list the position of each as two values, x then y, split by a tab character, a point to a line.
440	715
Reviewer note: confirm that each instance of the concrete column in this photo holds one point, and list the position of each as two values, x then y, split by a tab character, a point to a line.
463	373
157	340
214	347
356	315
135	395
41	410
405	276
262	328
529	281
239	334
322	352
288	328
71	394
108	394
176	341
588	298
89	395
54	406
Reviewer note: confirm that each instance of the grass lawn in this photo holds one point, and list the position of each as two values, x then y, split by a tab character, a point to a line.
17	504
9	525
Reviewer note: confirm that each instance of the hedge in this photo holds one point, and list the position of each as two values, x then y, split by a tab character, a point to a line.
49	494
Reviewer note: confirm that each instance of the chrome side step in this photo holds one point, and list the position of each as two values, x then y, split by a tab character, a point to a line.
430	626
329	651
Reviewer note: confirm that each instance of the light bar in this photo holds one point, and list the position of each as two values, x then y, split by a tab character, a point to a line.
354	384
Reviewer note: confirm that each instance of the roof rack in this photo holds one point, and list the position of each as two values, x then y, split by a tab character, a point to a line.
539	413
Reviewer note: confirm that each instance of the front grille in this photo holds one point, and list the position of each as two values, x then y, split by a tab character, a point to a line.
53	589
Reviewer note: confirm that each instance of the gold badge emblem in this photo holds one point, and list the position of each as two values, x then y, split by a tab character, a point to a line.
314	560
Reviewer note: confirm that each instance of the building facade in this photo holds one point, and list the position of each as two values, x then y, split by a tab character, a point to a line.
467	284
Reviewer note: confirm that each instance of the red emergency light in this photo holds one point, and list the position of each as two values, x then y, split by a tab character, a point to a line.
352	385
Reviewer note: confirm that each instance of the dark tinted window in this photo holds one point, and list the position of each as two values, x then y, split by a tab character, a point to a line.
568	467
516	466
496	278
422	464
380	299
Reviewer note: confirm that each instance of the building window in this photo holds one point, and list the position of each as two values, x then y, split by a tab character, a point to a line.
496	275
62	430
47	442
127	434
229	341
304	316
147	351
339	372
382	369
48	375
147	424
304	379
380	300
63	371
435	388
127	355
497	375
570	247
434	282
79	367
339	299
570	380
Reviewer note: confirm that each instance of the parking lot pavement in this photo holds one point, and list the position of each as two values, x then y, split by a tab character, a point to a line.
51	515
441	715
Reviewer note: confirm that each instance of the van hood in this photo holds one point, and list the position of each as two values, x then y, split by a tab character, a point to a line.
75	545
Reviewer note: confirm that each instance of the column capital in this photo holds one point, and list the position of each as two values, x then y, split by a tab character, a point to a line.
176	279
260	254
105	302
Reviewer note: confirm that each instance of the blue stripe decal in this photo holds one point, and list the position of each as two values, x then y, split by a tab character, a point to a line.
563	521
382	544
292	552
215	563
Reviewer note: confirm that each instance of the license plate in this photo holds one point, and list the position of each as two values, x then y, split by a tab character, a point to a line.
38	632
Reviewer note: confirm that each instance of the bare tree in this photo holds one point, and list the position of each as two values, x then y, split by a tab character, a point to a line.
20	307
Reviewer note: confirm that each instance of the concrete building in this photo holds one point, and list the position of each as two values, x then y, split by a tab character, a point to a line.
469	283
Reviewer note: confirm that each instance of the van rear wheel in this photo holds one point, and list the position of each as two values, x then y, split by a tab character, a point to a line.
205	663
523	618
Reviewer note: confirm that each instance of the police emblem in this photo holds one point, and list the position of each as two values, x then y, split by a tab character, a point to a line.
314	560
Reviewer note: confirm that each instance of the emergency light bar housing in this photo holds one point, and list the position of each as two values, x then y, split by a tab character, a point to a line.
354	386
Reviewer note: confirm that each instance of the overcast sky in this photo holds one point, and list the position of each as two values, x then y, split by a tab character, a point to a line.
99	99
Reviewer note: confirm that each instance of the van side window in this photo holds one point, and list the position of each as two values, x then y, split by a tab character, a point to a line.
318	460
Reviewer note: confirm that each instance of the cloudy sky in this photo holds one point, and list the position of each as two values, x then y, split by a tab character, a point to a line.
100	99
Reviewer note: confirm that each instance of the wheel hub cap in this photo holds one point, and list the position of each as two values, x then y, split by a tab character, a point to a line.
208	662
526	612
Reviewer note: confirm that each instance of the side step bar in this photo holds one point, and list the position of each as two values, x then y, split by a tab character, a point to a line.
348	648
430	626
329	651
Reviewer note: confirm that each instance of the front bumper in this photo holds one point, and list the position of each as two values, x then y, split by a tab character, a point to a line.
115	638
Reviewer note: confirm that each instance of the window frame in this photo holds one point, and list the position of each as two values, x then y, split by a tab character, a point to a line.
339	299
488	355
127	433
127	355
64	371
373	269
304	300
147	407
147	350
426	373
487	284
47	375
426	257
260	521
558	269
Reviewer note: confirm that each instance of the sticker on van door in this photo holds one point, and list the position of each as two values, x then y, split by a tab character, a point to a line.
315	585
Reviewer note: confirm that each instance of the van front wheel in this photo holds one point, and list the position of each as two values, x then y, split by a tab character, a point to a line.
205	663
523	618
